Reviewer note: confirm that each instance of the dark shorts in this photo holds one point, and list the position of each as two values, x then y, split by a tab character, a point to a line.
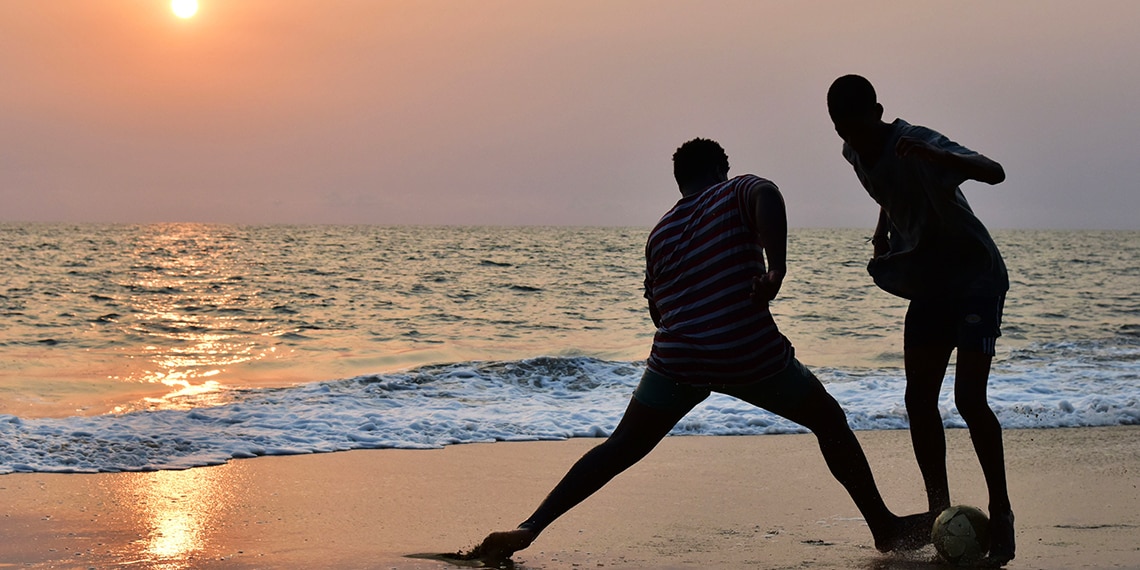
970	323
784	390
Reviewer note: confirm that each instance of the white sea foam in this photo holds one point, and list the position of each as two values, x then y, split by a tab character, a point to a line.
1082	384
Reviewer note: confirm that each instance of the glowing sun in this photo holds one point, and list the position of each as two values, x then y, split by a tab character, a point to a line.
184	8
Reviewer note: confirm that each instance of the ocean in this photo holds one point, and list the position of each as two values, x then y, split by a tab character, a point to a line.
171	346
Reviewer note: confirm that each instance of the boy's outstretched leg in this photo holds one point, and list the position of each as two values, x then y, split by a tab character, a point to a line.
971	378
820	413
638	432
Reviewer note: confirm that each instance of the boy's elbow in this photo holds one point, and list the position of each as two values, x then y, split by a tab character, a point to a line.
998	175
991	172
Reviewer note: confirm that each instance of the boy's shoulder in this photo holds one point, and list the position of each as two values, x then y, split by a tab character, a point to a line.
905	129
749	181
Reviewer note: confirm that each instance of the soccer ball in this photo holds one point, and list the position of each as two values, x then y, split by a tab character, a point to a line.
961	535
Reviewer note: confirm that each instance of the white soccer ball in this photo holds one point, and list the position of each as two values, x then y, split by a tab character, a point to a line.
961	535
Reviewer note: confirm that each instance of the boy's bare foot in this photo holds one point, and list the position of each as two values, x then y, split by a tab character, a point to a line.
499	546
1001	539
906	533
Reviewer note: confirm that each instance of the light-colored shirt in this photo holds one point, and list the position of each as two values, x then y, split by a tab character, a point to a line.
939	247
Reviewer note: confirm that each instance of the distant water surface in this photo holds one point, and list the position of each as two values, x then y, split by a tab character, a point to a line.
238	341
115	311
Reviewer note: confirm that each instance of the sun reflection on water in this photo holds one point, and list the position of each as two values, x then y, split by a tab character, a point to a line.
194	324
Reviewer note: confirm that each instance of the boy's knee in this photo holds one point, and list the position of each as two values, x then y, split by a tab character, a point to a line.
830	419
819	412
921	402
973	409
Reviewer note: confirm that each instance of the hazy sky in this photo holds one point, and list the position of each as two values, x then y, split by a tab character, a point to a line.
546	112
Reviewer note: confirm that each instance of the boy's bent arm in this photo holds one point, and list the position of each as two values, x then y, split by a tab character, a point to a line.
977	167
770	222
974	166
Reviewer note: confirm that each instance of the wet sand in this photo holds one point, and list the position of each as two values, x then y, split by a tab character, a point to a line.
695	502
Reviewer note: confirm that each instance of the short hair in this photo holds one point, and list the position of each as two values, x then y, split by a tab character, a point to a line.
850	96
695	159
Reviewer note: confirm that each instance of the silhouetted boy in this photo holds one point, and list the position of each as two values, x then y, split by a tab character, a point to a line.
930	248
708	290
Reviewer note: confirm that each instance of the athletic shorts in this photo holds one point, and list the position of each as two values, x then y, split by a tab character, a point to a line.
969	323
784	390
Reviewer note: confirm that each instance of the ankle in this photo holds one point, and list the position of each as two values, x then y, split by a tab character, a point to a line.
938	503
1000	510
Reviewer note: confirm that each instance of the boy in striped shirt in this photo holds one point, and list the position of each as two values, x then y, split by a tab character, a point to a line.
713	263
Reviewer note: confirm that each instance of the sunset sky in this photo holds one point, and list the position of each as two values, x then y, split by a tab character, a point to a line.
520	112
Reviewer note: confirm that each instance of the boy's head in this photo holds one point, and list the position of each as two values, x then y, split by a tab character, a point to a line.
854	108
699	164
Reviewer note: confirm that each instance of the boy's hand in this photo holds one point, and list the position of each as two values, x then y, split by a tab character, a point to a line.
881	246
766	286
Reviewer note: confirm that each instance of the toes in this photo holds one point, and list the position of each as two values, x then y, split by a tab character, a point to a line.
499	546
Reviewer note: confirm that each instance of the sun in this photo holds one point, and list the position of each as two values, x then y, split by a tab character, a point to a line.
184	8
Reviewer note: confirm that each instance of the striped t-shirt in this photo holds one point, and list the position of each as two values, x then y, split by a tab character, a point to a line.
700	261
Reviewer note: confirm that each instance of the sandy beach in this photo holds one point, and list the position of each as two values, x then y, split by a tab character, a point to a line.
695	502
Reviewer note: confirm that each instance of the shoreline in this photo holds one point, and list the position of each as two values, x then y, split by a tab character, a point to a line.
695	502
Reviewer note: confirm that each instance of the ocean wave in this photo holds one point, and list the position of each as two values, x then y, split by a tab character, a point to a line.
548	398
